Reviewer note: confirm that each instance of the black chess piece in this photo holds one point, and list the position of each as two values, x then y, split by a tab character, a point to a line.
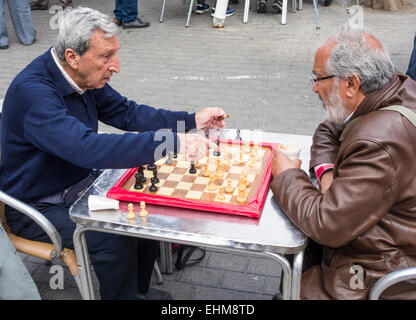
151	167
140	169
138	185
153	188
155	179
217	152
238	137
192	169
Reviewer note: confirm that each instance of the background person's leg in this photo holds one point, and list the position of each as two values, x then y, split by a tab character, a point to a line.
4	38
129	10
22	21
411	71
118	10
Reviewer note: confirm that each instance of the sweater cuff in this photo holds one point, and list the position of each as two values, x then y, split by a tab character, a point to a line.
190	121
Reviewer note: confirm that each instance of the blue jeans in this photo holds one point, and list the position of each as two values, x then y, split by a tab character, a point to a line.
411	71
123	265
126	10
22	22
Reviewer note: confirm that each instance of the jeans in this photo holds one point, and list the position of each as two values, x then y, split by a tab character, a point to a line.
22	22
411	71
126	10
123	265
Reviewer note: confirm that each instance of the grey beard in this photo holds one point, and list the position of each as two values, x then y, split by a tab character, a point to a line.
335	107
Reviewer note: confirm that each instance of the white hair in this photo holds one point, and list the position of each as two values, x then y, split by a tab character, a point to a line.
76	28
353	54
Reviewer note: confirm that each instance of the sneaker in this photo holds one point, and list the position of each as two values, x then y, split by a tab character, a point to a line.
202	8
228	13
262	6
155	294
4	47
137	23
277	5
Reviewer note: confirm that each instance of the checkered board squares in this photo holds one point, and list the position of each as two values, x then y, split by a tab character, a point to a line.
177	182
179	188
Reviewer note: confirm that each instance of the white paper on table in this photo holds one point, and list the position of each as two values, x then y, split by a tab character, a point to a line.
101	203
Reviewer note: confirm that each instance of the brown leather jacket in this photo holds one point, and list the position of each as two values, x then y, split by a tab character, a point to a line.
366	220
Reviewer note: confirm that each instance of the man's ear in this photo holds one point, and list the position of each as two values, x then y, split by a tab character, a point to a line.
352	85
72	58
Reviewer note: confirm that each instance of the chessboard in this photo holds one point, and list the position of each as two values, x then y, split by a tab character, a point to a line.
233	179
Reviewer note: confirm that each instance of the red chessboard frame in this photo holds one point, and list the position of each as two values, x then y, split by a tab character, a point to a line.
251	209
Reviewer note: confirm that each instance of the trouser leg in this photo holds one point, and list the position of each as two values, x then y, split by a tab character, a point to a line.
129	10
146	257
411	71
22	21
118	10
4	38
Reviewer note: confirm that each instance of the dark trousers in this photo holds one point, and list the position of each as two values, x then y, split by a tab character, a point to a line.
411	71
123	265
126	10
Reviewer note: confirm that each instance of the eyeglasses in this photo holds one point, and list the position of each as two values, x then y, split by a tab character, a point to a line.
315	79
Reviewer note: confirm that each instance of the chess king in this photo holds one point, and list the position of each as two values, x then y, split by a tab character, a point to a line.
51	145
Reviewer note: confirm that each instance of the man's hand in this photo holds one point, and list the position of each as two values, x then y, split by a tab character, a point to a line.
208	118
326	179
195	146
281	163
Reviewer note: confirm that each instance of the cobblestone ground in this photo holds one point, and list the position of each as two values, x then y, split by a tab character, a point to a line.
258	72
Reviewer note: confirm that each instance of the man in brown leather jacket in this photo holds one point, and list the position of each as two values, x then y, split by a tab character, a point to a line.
364	214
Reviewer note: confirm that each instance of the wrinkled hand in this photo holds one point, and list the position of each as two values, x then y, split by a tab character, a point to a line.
281	163
208	118
195	146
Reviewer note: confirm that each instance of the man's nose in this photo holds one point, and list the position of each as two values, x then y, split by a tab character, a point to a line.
315	88
115	65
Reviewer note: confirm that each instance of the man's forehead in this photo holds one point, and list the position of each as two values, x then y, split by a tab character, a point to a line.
99	39
322	54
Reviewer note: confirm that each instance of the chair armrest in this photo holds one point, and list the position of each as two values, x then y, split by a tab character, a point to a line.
391	279
38	218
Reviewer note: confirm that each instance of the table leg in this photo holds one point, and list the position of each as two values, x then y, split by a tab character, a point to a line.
246	7
166	257
297	275
81	252
287	274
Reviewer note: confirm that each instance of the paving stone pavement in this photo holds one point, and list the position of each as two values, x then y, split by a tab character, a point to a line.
258	72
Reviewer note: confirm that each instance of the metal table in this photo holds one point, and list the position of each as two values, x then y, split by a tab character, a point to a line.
272	235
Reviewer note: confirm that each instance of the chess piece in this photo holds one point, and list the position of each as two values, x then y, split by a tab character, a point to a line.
247	148
192	170
212	186
217	152
143	212
152	188
241	161
229	188
252	162
151	167
238	137
205	173
175	155
241	198
155	179
226	160
197	164
221	194
140	170
130	215
169	161
219	173
138	185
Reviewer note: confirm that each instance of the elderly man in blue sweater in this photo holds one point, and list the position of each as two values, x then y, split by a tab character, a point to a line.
50	144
